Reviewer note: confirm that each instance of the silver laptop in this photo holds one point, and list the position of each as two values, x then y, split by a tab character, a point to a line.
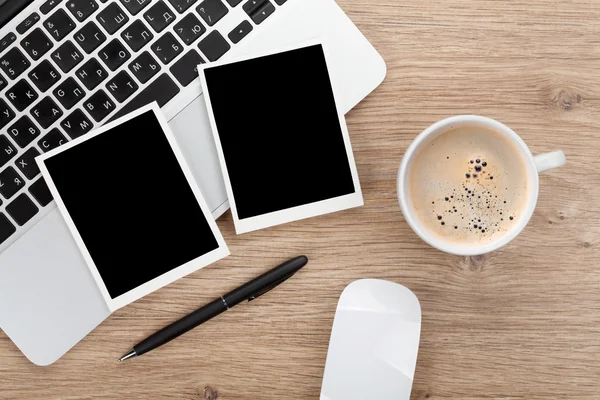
68	66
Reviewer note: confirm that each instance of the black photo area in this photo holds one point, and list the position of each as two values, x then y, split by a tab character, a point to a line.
131	203
280	131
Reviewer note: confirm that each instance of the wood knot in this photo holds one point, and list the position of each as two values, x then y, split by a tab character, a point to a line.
566	100
210	393
586	245
475	263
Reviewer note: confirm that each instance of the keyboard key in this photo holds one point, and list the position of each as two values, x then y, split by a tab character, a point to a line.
214	46
114	54
82	9
6	228
263	13
7	41
7	150
59	25
21	95
28	23
251	6
10	182
90	37
3	82
51	140
6	114
144	67
23	131
167	48
189	28
112	18
234	3
121	86
240	32
67	56
280	2
212	11
44	76
137	35
22	209
91	74
185	70
13	63
135	6
27	165
159	16
39	190
46	112
68	93
49	6
161	90
182	5
99	105
76	124
36	44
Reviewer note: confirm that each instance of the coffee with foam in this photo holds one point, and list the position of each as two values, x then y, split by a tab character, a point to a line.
468	185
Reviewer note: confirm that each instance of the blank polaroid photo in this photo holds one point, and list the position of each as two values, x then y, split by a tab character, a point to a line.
282	141
129	199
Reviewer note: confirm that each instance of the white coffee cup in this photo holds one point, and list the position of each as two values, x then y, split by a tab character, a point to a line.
534	166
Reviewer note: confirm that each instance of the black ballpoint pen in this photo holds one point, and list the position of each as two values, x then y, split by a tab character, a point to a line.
249	291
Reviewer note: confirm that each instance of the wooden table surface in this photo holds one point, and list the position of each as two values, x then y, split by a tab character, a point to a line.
520	323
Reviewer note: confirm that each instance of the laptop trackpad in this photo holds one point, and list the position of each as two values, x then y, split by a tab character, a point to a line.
194	136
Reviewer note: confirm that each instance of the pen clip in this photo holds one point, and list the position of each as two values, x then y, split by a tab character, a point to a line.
268	289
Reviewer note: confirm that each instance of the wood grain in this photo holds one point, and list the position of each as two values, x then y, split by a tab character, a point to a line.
520	323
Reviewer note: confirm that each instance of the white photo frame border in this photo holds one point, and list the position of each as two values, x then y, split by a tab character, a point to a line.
168	277
294	213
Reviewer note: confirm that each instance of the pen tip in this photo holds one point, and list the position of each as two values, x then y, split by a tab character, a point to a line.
132	353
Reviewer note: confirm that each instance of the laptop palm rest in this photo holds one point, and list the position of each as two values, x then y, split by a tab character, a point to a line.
48	298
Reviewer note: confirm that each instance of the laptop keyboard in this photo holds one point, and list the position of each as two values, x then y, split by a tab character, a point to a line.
71	66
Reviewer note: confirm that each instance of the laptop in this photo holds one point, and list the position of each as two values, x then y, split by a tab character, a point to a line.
69	66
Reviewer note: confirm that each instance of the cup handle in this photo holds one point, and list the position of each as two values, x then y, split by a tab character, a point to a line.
547	161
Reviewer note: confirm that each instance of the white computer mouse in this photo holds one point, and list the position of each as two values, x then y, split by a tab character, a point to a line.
374	343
